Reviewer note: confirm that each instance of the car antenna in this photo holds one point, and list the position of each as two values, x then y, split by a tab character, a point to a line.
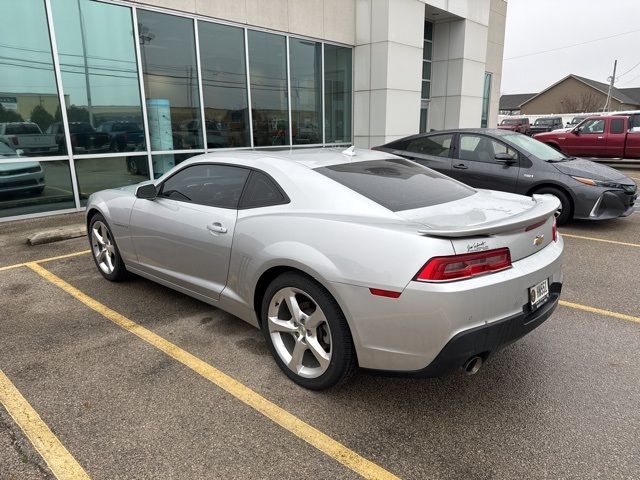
351	151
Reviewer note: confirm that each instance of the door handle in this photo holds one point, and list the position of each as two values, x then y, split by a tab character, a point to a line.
600	138
217	228
460	166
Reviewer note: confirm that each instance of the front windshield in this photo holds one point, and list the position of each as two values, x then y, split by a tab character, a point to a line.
6	151
577	120
539	149
544	121
510	122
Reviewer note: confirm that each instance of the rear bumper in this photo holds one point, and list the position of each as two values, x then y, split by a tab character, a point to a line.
486	340
410	332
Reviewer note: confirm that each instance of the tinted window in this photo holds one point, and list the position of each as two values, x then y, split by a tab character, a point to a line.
261	191
224	85
397	184
306	90
479	148
268	74
214	185
27	81
436	145
592	126
617	125
168	51
96	47
337	93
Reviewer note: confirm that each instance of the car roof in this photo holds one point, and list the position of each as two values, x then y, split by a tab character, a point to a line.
308	157
486	131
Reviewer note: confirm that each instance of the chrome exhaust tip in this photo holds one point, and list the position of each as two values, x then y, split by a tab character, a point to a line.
472	365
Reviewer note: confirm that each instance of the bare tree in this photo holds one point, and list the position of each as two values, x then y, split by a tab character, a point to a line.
584	102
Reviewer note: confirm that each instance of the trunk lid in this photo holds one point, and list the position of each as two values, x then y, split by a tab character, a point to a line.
490	219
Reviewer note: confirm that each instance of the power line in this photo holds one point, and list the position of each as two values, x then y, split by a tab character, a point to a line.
628	70
571	46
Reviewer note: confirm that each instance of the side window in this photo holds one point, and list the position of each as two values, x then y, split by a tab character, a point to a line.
436	145
617	125
213	185
478	148
261	191
592	126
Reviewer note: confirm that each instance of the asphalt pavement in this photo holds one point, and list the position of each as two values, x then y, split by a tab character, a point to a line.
561	403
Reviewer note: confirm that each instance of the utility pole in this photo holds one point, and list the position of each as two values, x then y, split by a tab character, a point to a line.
613	79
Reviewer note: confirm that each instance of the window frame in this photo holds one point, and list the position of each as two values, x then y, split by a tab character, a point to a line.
160	185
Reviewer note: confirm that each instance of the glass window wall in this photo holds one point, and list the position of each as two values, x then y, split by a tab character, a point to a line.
305	60
100	68
29	101
337	93
168	51
269	98
99	77
224	85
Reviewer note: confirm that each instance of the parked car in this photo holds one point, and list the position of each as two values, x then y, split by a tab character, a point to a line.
123	136
342	258
607	136
28	137
511	162
520	125
19	177
576	120
84	138
546	124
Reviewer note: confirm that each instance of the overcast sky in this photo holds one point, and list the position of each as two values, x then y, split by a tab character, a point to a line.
540	25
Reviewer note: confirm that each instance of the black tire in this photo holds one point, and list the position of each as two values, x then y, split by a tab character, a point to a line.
343	360
119	272
567	209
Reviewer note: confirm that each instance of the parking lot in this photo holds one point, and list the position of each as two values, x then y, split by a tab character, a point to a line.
133	380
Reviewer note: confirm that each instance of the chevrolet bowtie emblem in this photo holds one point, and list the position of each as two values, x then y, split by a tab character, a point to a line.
538	240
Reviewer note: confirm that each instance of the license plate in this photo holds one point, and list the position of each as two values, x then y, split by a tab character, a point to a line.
539	293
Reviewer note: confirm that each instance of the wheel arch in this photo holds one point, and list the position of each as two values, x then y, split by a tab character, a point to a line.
557	186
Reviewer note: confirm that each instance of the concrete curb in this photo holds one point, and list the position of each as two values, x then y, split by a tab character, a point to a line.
57	234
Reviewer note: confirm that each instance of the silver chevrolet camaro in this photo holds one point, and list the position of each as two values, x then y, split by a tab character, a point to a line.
343	258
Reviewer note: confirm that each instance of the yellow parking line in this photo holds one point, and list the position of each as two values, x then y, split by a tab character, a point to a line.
288	421
604	240
600	311
60	461
44	260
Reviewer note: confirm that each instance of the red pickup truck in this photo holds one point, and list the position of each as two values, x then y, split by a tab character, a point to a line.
608	136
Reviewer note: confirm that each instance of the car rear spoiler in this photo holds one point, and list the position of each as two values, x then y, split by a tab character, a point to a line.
544	206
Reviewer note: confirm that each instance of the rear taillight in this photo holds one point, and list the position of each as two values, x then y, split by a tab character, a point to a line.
554	230
467	265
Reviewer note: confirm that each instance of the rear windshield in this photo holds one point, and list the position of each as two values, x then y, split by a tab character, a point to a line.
397	184
545	121
22	129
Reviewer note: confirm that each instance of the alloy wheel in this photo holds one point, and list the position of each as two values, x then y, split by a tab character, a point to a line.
300	332
103	247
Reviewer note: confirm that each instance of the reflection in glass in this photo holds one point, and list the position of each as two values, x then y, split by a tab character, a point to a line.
96	174
99	76
167	47
337	91
33	187
224	85
305	60
29	100
268	74
164	162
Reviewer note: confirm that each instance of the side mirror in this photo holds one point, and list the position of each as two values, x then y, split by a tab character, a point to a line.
20	152
505	158
147	191
576	131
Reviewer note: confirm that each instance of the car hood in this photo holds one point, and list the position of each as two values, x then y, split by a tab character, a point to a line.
10	167
581	167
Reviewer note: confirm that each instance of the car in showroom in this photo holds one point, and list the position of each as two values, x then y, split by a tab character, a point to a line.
342	258
511	162
19	177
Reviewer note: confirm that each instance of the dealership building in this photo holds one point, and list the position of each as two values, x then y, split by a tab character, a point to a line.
100	94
